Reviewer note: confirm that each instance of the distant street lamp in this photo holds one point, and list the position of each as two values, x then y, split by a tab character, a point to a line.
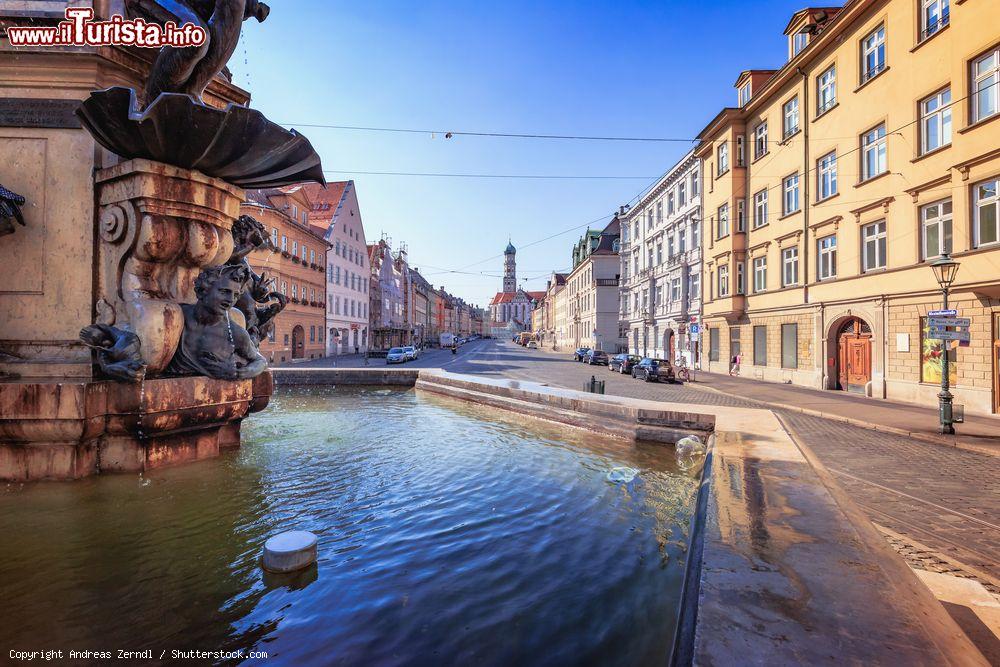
945	269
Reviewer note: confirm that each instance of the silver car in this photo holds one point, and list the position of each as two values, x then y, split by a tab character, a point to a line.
397	355
411	352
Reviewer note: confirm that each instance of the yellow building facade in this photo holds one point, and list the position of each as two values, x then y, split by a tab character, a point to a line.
834	184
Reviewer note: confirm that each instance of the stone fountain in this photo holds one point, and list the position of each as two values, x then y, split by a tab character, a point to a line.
129	318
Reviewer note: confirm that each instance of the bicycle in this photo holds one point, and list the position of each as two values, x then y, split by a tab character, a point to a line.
683	372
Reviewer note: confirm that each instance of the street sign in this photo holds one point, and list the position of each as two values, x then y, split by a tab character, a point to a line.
695	329
960	336
949	328
943	313
942	322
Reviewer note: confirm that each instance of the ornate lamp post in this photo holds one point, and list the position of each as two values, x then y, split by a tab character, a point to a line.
945	269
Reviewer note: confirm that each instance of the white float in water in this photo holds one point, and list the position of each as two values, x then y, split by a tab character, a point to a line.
287	552
622	475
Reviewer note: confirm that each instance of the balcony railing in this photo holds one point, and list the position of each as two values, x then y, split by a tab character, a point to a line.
607	282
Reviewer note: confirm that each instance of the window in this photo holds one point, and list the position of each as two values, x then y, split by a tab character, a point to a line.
734	341
826	96
985	213
659	212
274	236
789	345
760	274
741	278
681	193
790	200
873	54
713	344
305	254
312	333
985	84
675	289
741	215
799	42
741	157
790	117
827	266
760	209
724	280
670	204
681	240
826	176
935	233
694	284
760	140
760	345
295	291
934	15
270	334
789	266
744	94
694	183
935	121
295	248
873	246
723	221
723	158
284	244
873	153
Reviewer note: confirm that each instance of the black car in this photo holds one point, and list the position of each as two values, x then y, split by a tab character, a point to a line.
596	358
623	363
580	353
654	370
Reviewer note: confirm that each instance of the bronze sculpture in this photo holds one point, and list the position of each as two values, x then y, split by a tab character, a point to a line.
118	351
190	70
258	302
10	210
211	344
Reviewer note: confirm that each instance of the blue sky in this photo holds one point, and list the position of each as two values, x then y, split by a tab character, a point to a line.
634	69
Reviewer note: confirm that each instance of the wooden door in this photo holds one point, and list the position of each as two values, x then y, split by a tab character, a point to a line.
854	359
996	363
298	342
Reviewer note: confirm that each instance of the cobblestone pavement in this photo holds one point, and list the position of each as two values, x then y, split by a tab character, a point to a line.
946	500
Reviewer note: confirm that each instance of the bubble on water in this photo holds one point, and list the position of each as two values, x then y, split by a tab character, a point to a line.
622	475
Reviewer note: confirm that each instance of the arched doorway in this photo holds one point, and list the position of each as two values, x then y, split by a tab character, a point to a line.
669	345
853	342
298	342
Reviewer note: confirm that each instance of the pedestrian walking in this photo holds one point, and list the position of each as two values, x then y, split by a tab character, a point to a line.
357	349
734	369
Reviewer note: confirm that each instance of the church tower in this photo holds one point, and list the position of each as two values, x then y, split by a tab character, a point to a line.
509	269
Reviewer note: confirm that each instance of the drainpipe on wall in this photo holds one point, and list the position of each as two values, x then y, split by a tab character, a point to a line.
807	180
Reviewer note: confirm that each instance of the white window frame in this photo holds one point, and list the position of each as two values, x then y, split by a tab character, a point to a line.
741	215
873	54
979	203
722	230
934	15
985	86
826	90
935	121
760	140
790	266
741	153
790	195
826	266
826	176
937	215
723	280
873	148
760	274
723	158
760	209
741	278
800	41
675	289
874	249
743	94
790	117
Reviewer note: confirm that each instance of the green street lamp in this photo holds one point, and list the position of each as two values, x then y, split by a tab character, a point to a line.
945	269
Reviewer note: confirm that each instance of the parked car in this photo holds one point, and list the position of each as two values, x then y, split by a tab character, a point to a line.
411	352
654	370
596	358
397	355
580	353
532	345
623	363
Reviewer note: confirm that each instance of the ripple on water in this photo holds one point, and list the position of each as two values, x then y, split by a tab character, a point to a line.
448	534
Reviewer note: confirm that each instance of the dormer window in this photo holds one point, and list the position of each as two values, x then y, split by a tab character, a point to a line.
744	94
799	41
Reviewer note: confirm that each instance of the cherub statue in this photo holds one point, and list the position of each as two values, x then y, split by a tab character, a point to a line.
118	351
189	70
10	210
258	303
210	343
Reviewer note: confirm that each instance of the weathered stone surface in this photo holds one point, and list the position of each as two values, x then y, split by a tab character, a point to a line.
72	430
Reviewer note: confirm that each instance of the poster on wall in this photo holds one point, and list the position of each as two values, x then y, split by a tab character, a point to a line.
931	353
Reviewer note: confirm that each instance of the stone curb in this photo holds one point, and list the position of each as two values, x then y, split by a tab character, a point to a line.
924	437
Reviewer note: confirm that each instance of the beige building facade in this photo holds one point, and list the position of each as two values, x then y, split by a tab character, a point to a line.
593	292
834	184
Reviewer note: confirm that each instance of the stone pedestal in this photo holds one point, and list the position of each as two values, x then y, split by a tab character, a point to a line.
77	429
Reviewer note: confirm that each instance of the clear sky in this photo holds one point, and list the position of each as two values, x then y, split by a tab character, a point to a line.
634	69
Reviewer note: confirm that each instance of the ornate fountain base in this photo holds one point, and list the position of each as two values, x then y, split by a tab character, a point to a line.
69	430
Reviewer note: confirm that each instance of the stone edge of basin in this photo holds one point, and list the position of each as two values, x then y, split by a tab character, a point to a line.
782	569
